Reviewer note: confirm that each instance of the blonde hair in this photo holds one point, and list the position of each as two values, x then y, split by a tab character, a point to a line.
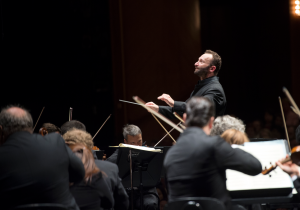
233	136
78	136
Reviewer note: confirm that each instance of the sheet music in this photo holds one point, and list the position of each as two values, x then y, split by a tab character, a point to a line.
265	152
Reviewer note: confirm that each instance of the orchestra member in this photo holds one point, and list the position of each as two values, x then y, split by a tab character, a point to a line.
113	180
291	169
51	128
226	122
133	135
72	124
206	68
93	191
34	169
195	166
233	136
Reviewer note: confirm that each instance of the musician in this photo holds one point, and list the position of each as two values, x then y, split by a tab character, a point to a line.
206	68
72	124
133	135
112	178
195	166
51	128
223	123
291	169
34	169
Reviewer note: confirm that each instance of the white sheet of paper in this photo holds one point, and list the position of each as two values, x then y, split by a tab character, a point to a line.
265	152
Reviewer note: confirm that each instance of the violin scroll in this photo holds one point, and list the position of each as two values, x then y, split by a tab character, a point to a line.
43	131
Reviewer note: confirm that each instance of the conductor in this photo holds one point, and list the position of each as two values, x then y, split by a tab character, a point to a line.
206	68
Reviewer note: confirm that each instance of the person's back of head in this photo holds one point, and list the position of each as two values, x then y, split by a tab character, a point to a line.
200	112
223	123
75	136
233	136
70	125
14	119
87	158
51	128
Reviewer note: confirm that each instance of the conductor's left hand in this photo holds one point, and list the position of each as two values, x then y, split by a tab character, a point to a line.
167	98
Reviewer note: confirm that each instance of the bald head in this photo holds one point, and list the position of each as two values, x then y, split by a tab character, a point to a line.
14	119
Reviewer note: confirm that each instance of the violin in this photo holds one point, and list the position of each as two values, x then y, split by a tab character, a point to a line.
43	131
294	157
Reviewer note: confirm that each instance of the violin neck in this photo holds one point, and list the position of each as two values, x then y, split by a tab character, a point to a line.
286	160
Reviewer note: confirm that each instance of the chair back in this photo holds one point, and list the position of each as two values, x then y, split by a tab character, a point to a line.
42	206
195	203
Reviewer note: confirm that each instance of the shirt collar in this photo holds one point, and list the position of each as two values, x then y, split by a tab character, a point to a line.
204	82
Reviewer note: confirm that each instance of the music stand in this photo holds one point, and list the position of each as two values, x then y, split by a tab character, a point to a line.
139	168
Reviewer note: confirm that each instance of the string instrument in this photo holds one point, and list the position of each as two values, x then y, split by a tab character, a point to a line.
43	131
95	148
294	157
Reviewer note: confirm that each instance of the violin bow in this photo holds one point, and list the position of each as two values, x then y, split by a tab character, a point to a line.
283	118
101	126
166	136
38	119
178	117
287	93
168	133
70	113
294	110
141	102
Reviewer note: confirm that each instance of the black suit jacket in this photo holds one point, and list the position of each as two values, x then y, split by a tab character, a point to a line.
209	88
195	166
115	185
37	169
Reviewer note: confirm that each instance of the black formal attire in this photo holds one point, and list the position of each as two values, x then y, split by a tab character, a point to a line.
298	135
195	166
209	88
37	169
114	183
93	194
150	201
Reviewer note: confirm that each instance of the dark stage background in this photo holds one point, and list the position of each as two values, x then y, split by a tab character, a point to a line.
89	54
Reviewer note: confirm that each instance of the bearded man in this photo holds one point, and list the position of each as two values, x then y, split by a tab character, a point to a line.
206	68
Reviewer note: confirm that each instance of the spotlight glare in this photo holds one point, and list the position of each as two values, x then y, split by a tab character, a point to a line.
297	12
297	7
297	2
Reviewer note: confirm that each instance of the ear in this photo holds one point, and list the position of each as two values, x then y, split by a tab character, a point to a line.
212	69
184	117
211	122
125	141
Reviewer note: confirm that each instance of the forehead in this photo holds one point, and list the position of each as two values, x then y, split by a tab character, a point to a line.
134	138
206	56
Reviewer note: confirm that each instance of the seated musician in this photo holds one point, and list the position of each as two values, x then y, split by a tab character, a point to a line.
133	135
226	122
93	191
233	136
291	169
34	169
113	180
195	166
51	128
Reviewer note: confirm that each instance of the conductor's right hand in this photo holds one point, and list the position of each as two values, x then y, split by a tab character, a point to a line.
152	106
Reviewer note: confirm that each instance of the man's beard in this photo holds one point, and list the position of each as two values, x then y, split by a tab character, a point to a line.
202	72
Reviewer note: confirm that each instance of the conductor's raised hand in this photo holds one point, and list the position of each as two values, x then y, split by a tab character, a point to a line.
152	106
288	167
167	98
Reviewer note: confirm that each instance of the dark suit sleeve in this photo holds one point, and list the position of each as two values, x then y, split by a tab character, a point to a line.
166	111
297	186
120	195
76	168
236	159
215	96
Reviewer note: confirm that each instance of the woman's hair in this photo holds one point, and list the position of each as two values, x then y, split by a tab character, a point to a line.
87	158
233	136
78	136
223	123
